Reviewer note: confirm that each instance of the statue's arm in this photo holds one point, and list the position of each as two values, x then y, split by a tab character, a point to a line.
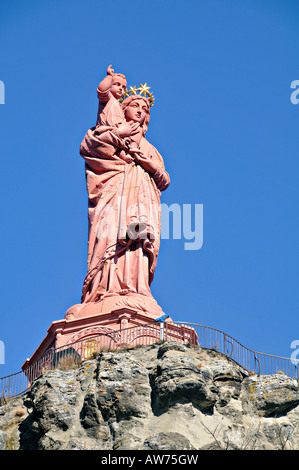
152	162
104	86
161	178
101	147
111	137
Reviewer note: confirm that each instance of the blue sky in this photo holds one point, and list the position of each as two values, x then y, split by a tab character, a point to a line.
223	121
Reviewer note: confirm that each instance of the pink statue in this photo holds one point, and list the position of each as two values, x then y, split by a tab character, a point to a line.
125	176
110	91
110	113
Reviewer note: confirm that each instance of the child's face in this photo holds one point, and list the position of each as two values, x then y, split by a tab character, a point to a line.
118	87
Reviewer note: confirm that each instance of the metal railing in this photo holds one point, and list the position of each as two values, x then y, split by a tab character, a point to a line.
71	355
252	361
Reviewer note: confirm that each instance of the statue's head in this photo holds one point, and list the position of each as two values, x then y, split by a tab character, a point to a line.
137	108
119	85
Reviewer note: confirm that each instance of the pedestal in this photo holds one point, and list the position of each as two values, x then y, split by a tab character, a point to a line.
115	322
102	318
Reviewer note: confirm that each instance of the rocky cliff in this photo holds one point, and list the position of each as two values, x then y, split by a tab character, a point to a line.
166	397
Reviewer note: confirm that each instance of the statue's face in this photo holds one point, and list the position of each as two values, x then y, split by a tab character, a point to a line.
118	87
136	111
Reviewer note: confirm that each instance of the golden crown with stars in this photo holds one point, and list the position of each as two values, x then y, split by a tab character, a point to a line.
142	90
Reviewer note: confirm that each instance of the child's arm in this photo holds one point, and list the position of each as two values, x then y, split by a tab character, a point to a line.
105	85
102	129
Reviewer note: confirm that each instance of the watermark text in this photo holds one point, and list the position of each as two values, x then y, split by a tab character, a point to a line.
184	224
295	353
2	92
295	94
2	353
150	221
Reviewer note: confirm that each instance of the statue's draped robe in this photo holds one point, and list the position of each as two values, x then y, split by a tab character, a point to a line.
121	196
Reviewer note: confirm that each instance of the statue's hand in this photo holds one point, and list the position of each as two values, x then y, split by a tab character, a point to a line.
110	70
127	128
147	163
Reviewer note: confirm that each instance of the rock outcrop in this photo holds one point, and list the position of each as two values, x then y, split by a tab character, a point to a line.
166	397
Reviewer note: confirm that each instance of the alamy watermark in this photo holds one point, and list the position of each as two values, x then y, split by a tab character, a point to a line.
295	343
2	353
295	353
140	221
295	94
2	92
183	221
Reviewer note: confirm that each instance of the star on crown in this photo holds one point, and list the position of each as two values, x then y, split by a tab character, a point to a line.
142	90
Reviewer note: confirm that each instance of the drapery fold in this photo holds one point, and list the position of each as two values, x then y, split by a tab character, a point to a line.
124	213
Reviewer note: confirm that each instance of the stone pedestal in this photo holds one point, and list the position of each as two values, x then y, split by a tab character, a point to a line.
115	322
94	319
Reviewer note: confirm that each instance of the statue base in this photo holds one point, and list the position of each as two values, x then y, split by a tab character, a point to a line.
114	322
82	321
143	304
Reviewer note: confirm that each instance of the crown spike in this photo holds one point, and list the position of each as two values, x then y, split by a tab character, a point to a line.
143	90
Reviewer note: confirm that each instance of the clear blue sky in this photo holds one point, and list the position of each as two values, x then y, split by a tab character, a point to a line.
223	122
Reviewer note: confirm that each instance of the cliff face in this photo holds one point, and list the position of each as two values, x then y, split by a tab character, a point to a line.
166	397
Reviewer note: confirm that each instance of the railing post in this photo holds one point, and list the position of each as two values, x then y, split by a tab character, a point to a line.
259	364
161	320
162	331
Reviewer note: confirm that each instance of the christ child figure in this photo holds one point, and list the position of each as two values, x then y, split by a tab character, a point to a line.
110	113
110	91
